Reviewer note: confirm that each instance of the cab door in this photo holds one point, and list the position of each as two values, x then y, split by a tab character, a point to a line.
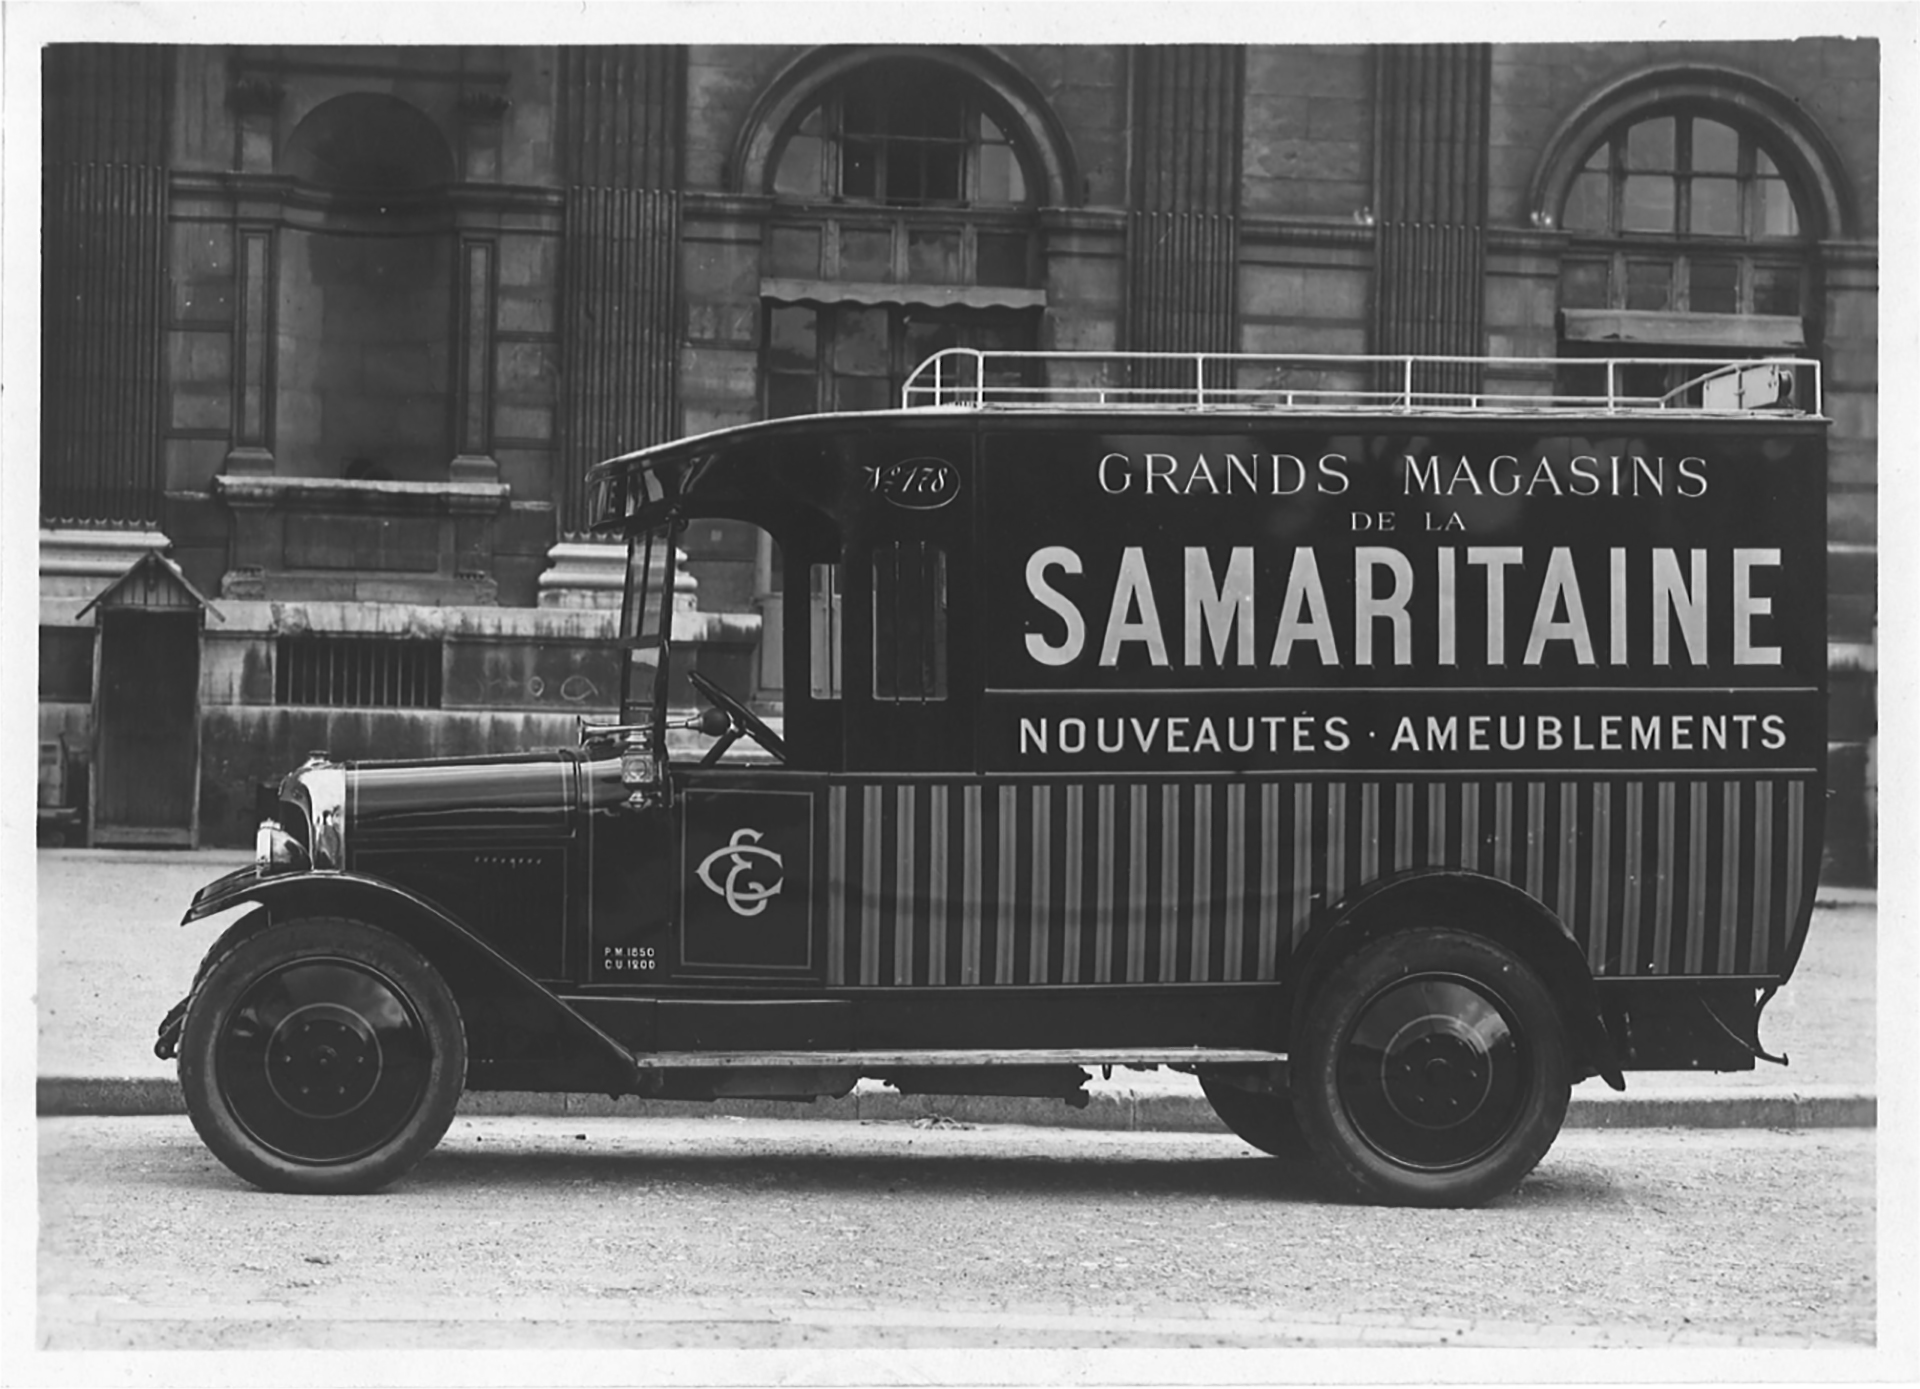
911	693
746	840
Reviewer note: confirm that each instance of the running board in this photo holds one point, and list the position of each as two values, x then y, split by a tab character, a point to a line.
886	1060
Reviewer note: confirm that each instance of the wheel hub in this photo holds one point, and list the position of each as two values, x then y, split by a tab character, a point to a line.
324	1060
1431	1074
1438	1078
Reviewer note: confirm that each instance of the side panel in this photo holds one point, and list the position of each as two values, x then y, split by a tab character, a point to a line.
1602	653
1014	881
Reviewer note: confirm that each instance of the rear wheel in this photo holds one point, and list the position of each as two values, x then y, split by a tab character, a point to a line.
1433	1071
324	1055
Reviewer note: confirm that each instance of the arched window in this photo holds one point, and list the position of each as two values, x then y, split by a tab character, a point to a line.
905	212
909	135
1681	212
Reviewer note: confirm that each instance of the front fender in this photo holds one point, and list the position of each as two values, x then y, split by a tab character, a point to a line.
420	922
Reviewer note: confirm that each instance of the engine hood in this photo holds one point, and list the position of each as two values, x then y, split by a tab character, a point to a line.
530	796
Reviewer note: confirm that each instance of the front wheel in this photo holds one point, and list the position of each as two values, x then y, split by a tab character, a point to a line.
322	1056
1433	1071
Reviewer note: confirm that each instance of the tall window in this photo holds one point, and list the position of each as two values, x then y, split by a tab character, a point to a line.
1683	213
909	622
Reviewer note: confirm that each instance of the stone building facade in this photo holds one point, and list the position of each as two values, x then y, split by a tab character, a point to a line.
340	330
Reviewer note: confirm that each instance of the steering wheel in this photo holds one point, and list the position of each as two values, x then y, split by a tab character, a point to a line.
744	721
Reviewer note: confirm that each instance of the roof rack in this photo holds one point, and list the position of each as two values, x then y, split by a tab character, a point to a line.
972	379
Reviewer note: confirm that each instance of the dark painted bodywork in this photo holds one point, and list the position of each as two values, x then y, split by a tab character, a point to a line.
961	872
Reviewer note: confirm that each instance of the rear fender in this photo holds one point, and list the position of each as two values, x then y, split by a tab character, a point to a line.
470	964
1484	906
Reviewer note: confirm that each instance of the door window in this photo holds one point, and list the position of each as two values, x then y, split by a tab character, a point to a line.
823	628
909	622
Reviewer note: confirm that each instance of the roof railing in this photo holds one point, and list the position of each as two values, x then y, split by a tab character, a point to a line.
970	378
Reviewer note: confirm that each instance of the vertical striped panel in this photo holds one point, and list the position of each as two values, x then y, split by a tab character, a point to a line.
1470	839
1266	962
1402	826
1796	848
1567	860
1008	884
1630	879
1040	888
837	871
1136	962
1536	837
1764	794
1503	830
939	903
1601	868
1696	922
1369	831
1702	893
1169	893
1336	840
1075	867
1200	966
1664	876
1103	888
1729	877
970	885
1301	908
903	893
1236	894
870	836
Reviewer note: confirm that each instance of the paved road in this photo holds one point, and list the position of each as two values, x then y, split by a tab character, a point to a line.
753	1233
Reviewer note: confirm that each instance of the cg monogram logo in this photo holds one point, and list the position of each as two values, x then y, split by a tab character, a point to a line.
748	898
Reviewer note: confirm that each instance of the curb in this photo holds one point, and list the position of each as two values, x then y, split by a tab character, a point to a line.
104	1097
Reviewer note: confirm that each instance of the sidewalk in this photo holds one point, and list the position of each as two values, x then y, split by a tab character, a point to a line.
113	959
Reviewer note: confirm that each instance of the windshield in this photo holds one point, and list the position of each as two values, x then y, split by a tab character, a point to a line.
646	629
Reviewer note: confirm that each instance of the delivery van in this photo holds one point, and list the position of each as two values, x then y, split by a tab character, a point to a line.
1389	757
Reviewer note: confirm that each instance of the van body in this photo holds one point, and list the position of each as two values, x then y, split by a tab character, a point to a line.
1392	760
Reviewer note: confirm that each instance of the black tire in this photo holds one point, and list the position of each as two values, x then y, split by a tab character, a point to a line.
230	940
1264	1120
1432	1071
322	1056
167	1035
